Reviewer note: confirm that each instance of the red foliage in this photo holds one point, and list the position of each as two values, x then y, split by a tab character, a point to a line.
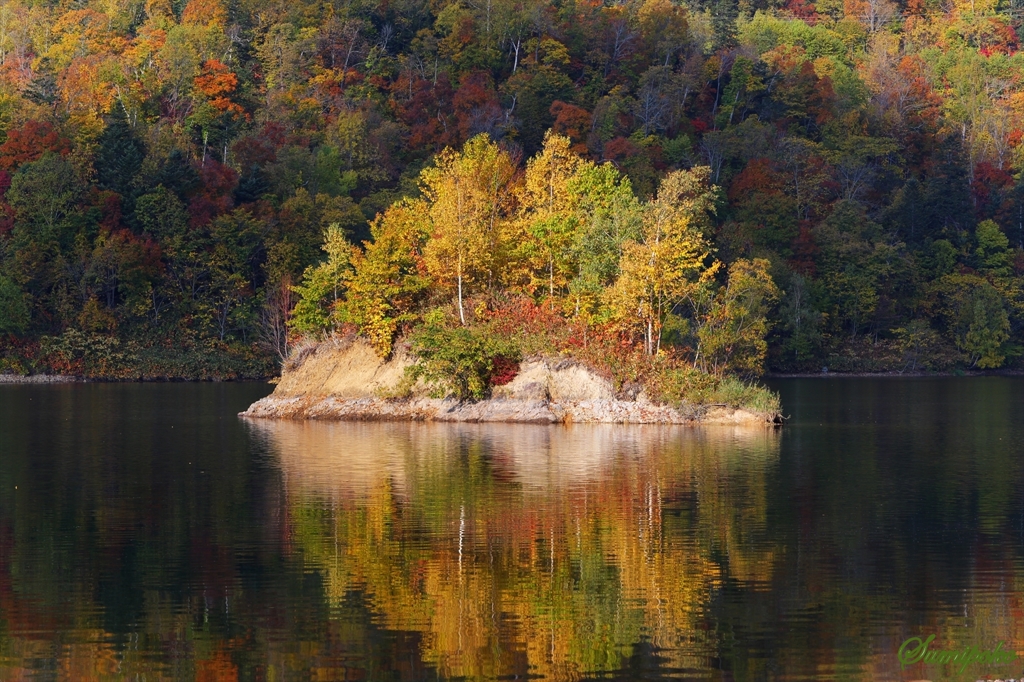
803	9
757	178
217	182
821	97
463	33
274	133
217	179
259	149
913	95
6	212
1004	38
134	252
619	149
804	251
504	370
522	315
573	122
424	106
29	142
475	105
988	179
351	76
330	85
109	204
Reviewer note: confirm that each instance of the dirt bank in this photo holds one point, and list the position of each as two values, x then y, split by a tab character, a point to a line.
345	381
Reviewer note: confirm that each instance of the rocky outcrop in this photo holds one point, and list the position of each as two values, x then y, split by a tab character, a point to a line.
347	381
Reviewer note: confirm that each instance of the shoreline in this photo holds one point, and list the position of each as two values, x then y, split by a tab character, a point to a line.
13	379
74	379
348	381
895	375
41	379
499	410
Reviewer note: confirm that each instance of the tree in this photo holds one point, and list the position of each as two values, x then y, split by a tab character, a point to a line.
233	263
14	312
732	333
29	142
119	156
670	261
872	13
993	253
320	292
469	195
534	90
663	26
611	216
162	216
855	264
974	314
548	209
387	279
43	193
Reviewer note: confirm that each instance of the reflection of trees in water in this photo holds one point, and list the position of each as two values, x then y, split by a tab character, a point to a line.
132	549
518	549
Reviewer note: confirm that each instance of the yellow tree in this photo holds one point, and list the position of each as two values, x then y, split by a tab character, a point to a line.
469	195
386	281
549	209
672	259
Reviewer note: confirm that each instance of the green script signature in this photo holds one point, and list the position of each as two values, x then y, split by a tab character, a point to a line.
915	650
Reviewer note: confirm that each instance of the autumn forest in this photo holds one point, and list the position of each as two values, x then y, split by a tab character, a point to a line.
725	186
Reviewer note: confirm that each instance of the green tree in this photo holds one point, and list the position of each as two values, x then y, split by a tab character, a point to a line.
322	287
993	251
732	333
14	312
611	216
43	194
456	361
974	314
233	263
548	209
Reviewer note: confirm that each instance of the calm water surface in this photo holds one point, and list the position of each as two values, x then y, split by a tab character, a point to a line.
148	533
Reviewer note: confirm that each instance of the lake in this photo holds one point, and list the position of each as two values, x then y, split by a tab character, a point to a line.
146	532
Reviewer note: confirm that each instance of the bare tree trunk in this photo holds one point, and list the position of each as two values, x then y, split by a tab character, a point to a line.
515	46
462	313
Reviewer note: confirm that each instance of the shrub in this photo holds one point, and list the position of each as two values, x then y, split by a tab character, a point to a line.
75	352
503	370
689	386
459	361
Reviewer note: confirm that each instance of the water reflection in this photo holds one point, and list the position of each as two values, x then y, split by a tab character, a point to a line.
525	550
146	532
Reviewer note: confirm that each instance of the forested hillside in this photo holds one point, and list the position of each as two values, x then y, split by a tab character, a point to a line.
839	178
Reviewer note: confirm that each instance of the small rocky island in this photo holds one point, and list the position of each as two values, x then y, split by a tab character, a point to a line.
346	380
